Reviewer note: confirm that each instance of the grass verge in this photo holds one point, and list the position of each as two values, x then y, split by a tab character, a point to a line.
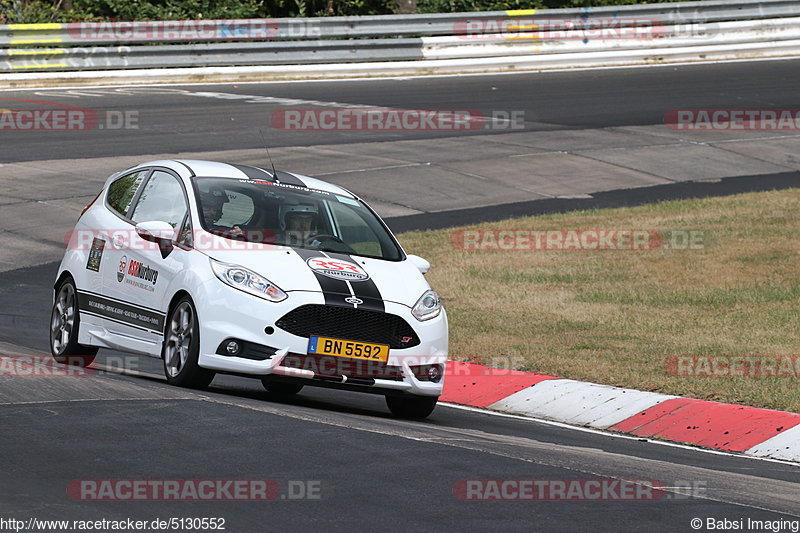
615	317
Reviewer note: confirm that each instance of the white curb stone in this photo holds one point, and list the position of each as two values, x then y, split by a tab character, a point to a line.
576	402
783	446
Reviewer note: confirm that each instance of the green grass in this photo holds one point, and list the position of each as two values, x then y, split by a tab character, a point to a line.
614	317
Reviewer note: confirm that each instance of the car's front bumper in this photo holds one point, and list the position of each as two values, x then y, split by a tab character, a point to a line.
226	313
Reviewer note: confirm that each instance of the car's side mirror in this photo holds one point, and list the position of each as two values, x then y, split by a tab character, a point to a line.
161	233
422	264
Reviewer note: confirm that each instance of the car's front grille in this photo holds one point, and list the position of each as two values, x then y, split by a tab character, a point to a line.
340	366
349	323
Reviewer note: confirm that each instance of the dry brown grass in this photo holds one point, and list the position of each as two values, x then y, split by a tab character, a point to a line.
613	317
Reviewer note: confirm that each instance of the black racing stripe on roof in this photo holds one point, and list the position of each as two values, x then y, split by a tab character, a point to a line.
253	173
289	179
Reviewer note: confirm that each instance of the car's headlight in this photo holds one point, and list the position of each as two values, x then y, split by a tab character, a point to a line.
428	306
248	281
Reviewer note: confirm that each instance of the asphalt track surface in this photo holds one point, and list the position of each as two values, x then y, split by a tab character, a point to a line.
550	101
374	472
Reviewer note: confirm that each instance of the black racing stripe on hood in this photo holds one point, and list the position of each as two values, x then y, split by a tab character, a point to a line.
366	290
334	290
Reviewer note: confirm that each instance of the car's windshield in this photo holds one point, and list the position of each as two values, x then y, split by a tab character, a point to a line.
274	213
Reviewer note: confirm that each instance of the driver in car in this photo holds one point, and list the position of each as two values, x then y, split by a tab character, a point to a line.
213	202
298	223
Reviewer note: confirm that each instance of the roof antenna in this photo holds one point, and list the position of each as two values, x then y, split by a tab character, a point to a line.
264	140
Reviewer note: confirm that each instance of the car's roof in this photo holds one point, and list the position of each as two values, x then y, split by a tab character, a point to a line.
214	169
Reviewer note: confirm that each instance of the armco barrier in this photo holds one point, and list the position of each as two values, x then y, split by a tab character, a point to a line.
648	33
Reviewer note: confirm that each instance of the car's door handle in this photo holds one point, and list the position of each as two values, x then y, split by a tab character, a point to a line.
118	241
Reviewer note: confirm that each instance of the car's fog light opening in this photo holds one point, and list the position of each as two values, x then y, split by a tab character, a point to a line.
232	347
245	350
432	373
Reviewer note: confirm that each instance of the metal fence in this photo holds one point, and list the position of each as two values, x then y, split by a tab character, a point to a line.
688	29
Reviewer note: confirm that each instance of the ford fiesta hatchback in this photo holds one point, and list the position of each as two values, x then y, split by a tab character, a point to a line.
218	267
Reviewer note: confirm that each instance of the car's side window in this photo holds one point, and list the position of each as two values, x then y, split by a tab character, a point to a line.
354	230
186	235
162	199
122	191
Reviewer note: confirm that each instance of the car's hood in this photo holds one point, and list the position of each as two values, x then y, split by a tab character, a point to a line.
294	269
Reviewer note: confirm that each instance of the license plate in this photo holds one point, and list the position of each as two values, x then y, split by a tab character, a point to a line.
352	349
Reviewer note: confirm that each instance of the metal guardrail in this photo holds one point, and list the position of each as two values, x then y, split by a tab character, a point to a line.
152	44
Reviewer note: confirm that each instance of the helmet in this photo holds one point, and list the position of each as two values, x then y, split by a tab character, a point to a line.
215	196
288	210
214	199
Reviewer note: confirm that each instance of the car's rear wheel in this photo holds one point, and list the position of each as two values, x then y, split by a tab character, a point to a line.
411	406
281	389
181	349
65	322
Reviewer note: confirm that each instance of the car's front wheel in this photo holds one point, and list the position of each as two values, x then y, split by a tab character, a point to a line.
181	349
411	406
65	323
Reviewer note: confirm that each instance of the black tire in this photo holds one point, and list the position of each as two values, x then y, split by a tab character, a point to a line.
181	349
65	323
281	388
411	406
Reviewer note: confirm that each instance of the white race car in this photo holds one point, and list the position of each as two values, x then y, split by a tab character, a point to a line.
217	267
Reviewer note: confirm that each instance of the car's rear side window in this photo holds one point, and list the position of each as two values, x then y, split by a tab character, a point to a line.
121	192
